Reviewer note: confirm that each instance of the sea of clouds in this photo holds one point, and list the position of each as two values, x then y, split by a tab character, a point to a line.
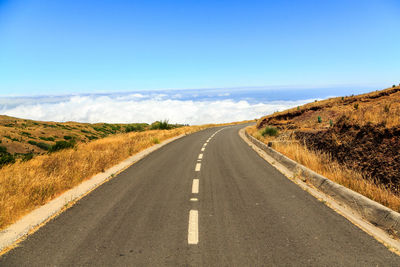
185	106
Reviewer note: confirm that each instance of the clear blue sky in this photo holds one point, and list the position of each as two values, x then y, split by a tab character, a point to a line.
90	46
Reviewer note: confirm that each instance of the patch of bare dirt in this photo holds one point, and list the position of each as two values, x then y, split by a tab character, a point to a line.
374	150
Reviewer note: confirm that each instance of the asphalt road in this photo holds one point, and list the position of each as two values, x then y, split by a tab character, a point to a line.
246	214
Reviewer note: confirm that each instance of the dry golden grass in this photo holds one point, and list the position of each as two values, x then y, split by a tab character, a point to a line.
323	164
378	107
27	185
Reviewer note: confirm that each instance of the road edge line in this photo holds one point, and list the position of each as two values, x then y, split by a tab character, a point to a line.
372	217
31	222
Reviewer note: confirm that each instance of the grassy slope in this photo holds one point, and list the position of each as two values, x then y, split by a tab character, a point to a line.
355	142
15	133
375	107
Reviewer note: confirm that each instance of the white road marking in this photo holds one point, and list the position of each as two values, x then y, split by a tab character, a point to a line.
201	156
193	229
202	149
194	199
198	166
195	186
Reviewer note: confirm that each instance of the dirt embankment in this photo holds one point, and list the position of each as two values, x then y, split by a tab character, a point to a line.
362	131
371	149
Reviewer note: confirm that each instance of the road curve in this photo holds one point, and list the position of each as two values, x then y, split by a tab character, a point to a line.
227	207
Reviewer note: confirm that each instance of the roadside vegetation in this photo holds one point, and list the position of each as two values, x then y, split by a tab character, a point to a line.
33	180
352	140
25	139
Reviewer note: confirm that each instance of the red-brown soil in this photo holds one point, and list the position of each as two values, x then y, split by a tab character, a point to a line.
362	132
371	149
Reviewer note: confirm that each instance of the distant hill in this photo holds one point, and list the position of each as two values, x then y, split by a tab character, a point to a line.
22	138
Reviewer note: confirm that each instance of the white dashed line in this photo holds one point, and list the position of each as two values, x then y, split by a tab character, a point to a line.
195	186
193	229
198	166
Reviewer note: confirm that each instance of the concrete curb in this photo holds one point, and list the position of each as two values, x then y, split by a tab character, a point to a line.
368	209
40	215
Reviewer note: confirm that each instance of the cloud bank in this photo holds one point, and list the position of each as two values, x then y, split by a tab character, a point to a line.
138	107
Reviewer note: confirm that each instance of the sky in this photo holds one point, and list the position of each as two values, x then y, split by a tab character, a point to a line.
96	46
90	47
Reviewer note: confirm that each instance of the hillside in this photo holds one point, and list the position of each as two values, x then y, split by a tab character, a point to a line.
360	132
22	139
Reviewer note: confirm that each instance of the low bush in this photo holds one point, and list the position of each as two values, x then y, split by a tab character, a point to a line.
270	131
47	138
135	128
161	125
27	156
59	145
5	157
91	137
43	146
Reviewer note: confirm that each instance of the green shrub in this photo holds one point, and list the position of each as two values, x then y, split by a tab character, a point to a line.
91	137
161	125
356	106
270	131
47	138
156	141
59	145
319	119
331	123
67	137
44	146
342	98
32	142
5	157
26	157
11	138
134	128
3	150
394	86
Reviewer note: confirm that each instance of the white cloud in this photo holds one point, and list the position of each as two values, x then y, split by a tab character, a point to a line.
144	108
